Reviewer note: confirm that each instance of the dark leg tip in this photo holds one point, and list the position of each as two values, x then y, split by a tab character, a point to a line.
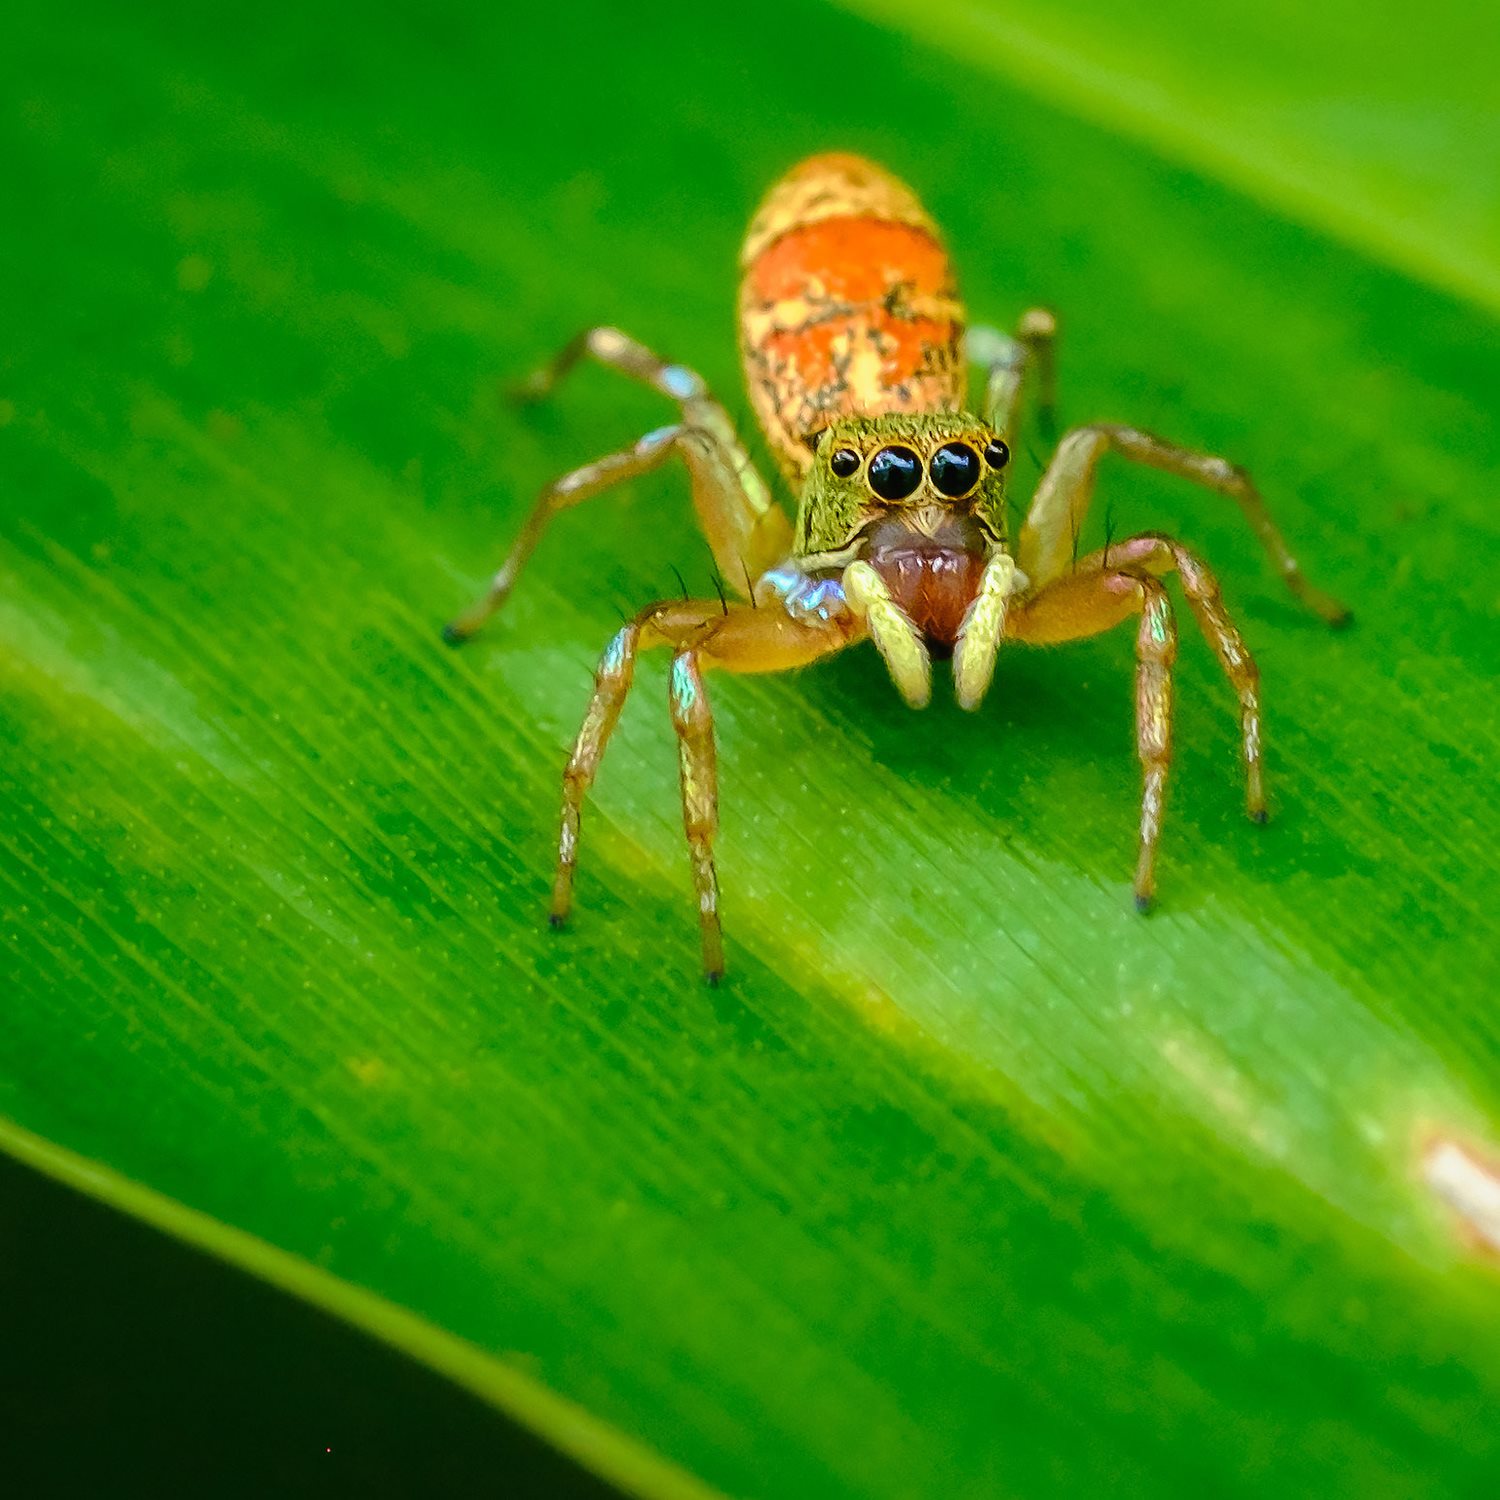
454	635
556	921
1260	815
1143	904
713	977
1342	621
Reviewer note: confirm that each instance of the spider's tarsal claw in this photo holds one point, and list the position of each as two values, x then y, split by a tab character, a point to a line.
1144	902
562	898
466	626
1259	815
713	978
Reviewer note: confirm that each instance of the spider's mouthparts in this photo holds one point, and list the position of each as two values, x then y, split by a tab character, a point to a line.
933	578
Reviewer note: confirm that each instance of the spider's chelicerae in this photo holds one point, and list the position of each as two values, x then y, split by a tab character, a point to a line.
853	338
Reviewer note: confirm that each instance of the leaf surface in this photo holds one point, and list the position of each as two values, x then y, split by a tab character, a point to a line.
970	1181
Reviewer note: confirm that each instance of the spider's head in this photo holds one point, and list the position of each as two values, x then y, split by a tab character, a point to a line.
921	498
926	471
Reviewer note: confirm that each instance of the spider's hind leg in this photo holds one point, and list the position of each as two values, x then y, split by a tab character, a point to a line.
1010	363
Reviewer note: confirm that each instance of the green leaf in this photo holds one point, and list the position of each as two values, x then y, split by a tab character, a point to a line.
1348	117
970	1181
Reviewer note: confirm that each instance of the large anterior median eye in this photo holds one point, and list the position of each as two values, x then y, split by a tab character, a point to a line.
954	469
895	473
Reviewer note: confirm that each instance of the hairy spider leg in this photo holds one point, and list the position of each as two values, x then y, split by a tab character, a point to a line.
746	530
698	774
701	634
1155	554
571	489
1048	540
1155	651
1089	602
1093	599
1011	363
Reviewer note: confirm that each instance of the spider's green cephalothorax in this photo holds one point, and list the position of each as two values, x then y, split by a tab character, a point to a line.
870	469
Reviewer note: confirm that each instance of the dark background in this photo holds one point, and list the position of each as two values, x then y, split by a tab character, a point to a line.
130	1364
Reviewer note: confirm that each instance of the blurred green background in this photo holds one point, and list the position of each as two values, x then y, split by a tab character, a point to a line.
969	1182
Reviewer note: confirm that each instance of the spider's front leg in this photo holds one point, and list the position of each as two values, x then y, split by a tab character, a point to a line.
746	530
701	634
1089	603
1153	554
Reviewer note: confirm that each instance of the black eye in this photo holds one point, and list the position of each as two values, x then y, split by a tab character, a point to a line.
997	455
895	473
844	462
954	469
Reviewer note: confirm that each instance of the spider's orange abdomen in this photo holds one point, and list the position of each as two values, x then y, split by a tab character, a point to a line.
848	305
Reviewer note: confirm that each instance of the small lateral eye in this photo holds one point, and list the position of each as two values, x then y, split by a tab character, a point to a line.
844	462
997	454
895	473
954	469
